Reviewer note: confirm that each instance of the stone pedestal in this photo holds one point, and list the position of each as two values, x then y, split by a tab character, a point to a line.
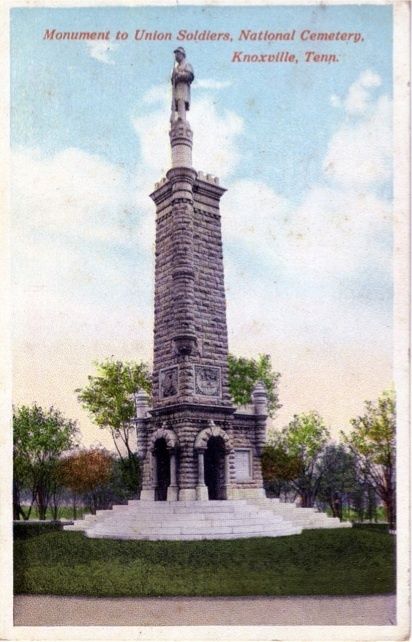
147	495
202	493
172	494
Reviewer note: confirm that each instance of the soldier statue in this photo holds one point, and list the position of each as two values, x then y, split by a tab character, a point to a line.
182	77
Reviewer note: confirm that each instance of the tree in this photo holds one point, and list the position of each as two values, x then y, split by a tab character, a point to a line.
84	472
305	438
373	443
339	479
245	373
39	438
279	467
110	400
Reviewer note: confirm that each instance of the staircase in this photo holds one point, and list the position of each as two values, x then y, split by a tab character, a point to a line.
306	518
195	520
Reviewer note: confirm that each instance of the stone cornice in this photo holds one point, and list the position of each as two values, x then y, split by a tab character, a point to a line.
206	188
192	407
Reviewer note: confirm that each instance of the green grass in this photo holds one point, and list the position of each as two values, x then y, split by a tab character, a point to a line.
318	562
64	512
350	515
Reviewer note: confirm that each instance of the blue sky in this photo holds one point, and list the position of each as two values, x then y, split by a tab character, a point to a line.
304	149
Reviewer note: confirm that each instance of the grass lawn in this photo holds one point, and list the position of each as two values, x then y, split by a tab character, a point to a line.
64	512
317	562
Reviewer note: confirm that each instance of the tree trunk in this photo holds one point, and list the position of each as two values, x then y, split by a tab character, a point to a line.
41	504
390	509
16	502
306	500
332	505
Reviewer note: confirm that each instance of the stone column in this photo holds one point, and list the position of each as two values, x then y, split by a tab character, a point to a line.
142	407
181	140
172	490
187	471
260	402
201	488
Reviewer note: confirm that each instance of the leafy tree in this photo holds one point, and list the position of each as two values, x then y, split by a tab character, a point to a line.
305	438
339	479
245	373
110	400
373	443
85	472
39	438
279	467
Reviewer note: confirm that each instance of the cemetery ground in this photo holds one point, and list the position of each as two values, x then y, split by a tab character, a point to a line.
333	562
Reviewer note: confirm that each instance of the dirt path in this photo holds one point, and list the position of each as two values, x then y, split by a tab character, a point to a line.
45	610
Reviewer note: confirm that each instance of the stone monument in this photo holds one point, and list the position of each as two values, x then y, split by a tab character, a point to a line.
192	442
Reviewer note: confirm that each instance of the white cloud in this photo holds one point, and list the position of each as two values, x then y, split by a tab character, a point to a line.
77	250
358	97
156	94
101	50
360	152
253	221
325	249
210	83
71	193
335	101
217	152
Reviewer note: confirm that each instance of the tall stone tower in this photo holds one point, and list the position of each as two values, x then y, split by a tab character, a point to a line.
193	443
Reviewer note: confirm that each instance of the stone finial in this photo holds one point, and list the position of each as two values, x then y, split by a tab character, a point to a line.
260	398
142	403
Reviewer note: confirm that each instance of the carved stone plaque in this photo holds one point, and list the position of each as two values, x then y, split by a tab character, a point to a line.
207	381
168	382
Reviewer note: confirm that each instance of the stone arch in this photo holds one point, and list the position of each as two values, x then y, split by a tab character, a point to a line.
168	435
212	431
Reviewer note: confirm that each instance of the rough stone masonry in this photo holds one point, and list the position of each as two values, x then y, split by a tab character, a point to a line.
193	443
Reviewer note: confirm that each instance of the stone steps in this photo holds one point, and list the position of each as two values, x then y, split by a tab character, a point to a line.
307	518
195	520
191	537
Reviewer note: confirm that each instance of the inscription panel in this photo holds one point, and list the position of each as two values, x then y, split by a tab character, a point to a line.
243	465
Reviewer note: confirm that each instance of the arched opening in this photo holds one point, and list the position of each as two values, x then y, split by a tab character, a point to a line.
215	468
162	456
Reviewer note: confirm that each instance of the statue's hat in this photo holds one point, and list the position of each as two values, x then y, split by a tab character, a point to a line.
181	50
